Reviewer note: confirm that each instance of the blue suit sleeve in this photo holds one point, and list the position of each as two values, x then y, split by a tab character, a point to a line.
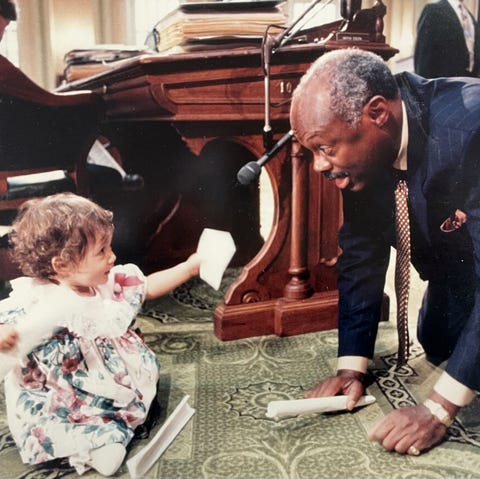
463	364
364	240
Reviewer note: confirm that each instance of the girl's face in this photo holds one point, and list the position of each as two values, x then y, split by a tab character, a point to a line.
94	268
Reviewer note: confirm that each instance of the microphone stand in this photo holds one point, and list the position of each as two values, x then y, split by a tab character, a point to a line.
270	45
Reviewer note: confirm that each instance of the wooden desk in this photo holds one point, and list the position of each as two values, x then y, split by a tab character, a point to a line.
210	106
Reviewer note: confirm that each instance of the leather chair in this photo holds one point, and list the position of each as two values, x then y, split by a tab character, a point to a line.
44	143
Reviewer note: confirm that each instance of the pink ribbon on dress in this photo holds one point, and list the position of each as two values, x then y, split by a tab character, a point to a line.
121	281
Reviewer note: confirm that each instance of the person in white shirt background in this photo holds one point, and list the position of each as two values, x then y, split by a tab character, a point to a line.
447	41
8	13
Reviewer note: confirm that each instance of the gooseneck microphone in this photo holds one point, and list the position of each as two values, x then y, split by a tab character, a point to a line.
251	170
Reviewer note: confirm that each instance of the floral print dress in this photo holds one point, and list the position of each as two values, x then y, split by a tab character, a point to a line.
91	380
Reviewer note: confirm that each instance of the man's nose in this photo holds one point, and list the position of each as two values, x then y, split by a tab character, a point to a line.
320	164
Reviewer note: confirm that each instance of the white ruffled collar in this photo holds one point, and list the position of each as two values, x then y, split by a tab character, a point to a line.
87	316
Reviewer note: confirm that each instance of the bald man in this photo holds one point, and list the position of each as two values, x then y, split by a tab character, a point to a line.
365	127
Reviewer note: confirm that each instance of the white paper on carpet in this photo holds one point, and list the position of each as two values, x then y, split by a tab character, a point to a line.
294	407
141	463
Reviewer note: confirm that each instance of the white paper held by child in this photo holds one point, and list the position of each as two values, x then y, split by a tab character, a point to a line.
216	249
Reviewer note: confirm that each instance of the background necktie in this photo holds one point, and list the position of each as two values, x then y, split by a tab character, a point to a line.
402	269
468	30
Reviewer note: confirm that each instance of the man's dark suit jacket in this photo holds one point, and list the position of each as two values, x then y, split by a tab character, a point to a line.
440	48
443	175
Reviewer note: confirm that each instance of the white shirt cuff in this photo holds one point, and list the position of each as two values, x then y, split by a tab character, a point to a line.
454	391
355	363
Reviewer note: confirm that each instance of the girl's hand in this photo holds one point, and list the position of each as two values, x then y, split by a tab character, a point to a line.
166	280
193	264
8	337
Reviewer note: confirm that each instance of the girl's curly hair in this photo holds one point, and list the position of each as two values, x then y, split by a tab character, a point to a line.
58	225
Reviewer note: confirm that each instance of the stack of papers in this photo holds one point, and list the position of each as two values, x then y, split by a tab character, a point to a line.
192	23
84	62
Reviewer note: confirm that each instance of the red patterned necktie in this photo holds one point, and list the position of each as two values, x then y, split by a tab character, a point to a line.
402	269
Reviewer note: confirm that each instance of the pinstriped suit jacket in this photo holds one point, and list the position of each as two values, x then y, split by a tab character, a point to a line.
443	175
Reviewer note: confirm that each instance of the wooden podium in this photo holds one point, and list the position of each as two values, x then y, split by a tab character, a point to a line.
212	102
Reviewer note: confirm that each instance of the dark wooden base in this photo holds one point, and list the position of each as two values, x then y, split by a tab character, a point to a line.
281	317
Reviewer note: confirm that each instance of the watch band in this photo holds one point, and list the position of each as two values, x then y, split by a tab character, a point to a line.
438	411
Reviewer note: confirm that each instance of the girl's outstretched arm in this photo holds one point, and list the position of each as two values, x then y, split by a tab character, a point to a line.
164	281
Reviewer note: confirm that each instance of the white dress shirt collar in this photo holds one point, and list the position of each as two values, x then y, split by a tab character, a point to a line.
401	162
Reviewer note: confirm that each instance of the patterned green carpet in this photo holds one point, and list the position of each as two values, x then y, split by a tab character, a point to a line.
230	385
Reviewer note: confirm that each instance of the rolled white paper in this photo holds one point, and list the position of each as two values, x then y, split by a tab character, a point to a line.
294	407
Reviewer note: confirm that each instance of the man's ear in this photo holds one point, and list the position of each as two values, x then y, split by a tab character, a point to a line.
59	265
377	110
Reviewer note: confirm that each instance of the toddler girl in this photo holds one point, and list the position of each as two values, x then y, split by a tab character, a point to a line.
90	379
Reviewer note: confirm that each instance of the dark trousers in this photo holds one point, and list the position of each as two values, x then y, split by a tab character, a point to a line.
446	306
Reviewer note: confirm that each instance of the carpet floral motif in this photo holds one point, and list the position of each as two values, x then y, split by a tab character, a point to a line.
191	302
230	385
253	399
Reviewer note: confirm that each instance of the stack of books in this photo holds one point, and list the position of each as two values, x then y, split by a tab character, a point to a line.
81	63
199	25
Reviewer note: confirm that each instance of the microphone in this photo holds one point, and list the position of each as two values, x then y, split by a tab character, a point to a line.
251	170
349	8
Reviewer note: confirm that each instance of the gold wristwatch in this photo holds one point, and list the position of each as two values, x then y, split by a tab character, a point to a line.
438	411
